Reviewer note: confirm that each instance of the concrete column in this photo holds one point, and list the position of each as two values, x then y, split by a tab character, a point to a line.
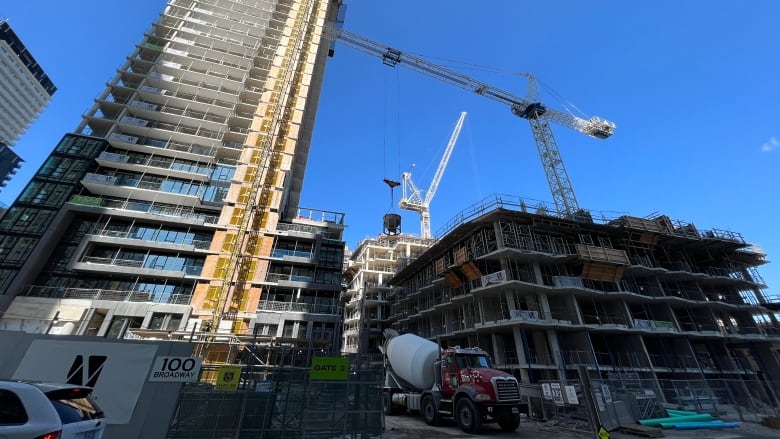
652	373
522	358
544	306
106	323
499	236
577	310
537	273
555	351
498	351
628	314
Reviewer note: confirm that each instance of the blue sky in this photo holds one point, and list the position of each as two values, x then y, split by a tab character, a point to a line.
691	85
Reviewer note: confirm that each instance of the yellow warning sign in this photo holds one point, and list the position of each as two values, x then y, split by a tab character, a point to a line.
603	433
228	378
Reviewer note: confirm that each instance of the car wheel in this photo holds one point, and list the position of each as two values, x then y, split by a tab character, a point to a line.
509	422
429	411
467	416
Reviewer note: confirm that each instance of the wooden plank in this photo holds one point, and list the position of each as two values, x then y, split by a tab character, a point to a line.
641	430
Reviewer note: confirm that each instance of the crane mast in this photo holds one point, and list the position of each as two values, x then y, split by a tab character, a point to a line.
538	115
412	196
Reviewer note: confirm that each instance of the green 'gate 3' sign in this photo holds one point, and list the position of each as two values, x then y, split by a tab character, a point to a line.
329	368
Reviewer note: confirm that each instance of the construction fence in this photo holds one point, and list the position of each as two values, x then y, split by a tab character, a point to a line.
283	402
622	399
744	399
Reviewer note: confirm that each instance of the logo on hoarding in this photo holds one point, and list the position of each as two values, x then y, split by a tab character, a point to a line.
80	375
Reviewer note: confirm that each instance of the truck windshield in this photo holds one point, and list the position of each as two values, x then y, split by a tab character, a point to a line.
472	361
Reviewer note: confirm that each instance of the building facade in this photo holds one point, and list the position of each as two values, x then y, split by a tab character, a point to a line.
367	290
10	162
652	299
25	90
174	204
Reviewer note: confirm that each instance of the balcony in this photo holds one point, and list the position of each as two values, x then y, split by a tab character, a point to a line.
158	166
310	308
126	237
293	255
135	189
170	213
94	264
113	295
299	281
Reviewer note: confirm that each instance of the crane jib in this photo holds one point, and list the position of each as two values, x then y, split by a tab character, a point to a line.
535	112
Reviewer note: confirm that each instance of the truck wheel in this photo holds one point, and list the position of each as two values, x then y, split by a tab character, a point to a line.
387	401
509	422
467	416
429	411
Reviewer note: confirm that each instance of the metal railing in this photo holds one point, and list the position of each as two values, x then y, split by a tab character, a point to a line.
314	308
198	244
102	294
151	208
193	270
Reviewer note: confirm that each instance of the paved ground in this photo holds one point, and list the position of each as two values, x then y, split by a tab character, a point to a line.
413	427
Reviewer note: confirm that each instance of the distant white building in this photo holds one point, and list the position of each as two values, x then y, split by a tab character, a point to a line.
25	90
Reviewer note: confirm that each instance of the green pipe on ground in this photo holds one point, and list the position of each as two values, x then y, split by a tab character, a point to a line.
673	419
678	425
672	412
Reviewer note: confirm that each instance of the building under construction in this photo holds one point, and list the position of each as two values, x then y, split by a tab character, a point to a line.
366	298
640	300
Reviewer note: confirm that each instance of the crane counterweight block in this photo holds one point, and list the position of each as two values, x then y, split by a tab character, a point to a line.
598	128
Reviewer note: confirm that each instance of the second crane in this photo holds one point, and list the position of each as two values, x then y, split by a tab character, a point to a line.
412	198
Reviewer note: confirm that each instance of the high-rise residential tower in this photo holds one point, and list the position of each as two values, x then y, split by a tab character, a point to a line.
25	90
9	163
175	201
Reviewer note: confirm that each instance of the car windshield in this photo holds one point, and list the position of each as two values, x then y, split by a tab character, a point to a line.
472	361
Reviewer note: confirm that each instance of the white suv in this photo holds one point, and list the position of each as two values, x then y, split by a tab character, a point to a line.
31	410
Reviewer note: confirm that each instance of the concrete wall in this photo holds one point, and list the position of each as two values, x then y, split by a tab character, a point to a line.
155	401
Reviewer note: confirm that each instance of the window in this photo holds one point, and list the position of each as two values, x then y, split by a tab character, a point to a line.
289	329
472	361
266	329
165	322
74	409
120	325
11	409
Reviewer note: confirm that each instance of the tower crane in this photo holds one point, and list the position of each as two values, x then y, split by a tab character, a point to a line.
529	108
412	196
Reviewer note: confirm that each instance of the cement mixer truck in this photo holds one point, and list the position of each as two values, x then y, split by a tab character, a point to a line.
453	382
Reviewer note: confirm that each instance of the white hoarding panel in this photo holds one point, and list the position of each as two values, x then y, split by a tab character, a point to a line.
117	371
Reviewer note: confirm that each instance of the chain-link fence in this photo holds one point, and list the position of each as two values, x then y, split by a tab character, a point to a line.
284	402
624	398
565	404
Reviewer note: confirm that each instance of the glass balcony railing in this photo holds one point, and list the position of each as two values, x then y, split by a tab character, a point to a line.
148	263
279	253
103	294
